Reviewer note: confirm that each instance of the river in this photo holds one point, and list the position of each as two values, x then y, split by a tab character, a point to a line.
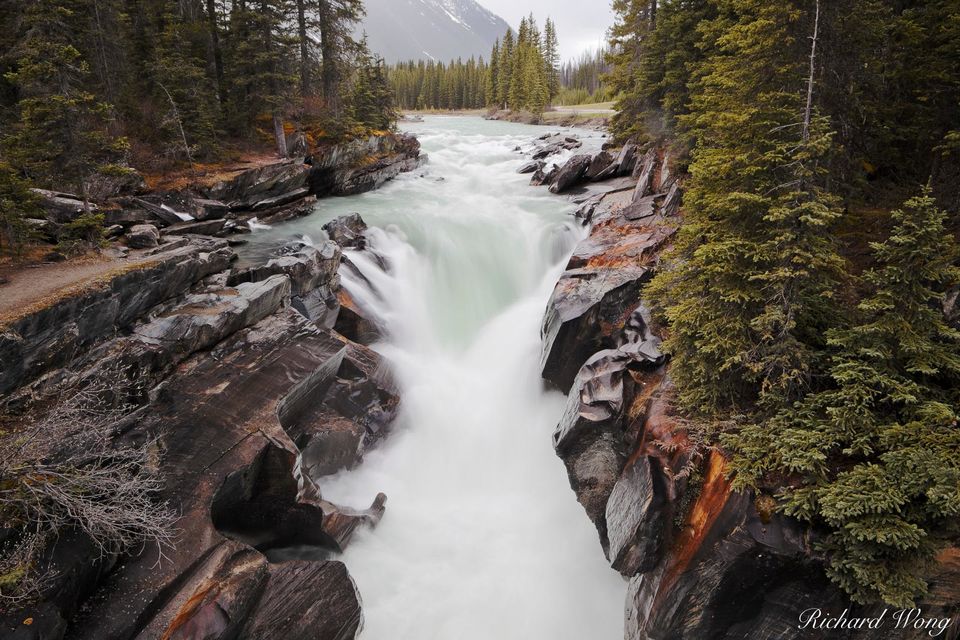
482	537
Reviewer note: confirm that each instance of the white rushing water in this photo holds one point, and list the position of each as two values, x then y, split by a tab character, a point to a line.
482	536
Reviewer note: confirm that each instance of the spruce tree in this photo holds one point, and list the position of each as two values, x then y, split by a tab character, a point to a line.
551	58
61	133
874	457
505	65
17	203
747	110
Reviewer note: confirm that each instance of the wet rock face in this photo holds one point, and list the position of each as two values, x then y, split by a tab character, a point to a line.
703	561
348	231
307	601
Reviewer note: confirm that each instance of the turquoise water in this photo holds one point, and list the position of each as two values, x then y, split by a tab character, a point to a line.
482	538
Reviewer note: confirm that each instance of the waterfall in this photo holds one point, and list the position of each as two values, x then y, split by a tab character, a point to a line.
482	537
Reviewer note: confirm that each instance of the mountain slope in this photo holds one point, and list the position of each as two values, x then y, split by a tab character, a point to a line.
441	30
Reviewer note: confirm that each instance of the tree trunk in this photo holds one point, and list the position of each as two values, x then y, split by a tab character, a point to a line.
215	45
653	14
807	112
328	49
304	49
279	135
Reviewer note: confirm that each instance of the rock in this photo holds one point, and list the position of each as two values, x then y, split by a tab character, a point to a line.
589	438
363	165
307	601
634	517
113	182
203	320
113	231
348	231
231	470
160	212
205	228
354	323
246	189
540	177
571	174
308	268
598	165
281	199
143	236
358	409
206	209
555	144
44	340
587	310
531	167
732	574
61	208
622	165
218	599
41	621
641	208
598	292
54	256
645	173
128	216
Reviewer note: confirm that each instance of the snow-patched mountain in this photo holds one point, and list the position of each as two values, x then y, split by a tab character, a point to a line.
441	30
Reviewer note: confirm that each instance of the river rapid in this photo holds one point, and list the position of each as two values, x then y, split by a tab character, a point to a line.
482	536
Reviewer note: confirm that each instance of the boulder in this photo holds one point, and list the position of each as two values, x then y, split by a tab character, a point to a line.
531	167
644	173
622	165
162	213
114	182
634	516
553	144
571	174
61	208
265	182
217	599
143	236
598	165
307	266
202	320
207	209
348	231
544	177
354	323
363	165
204	228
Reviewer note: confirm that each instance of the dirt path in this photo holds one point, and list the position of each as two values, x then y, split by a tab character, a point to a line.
30	285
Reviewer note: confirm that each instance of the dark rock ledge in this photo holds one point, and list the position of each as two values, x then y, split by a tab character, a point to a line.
224	203
702	561
251	398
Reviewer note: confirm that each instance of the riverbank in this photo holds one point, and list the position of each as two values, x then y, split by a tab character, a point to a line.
595	117
224	200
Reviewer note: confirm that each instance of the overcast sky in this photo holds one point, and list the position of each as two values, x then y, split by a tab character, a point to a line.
581	24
